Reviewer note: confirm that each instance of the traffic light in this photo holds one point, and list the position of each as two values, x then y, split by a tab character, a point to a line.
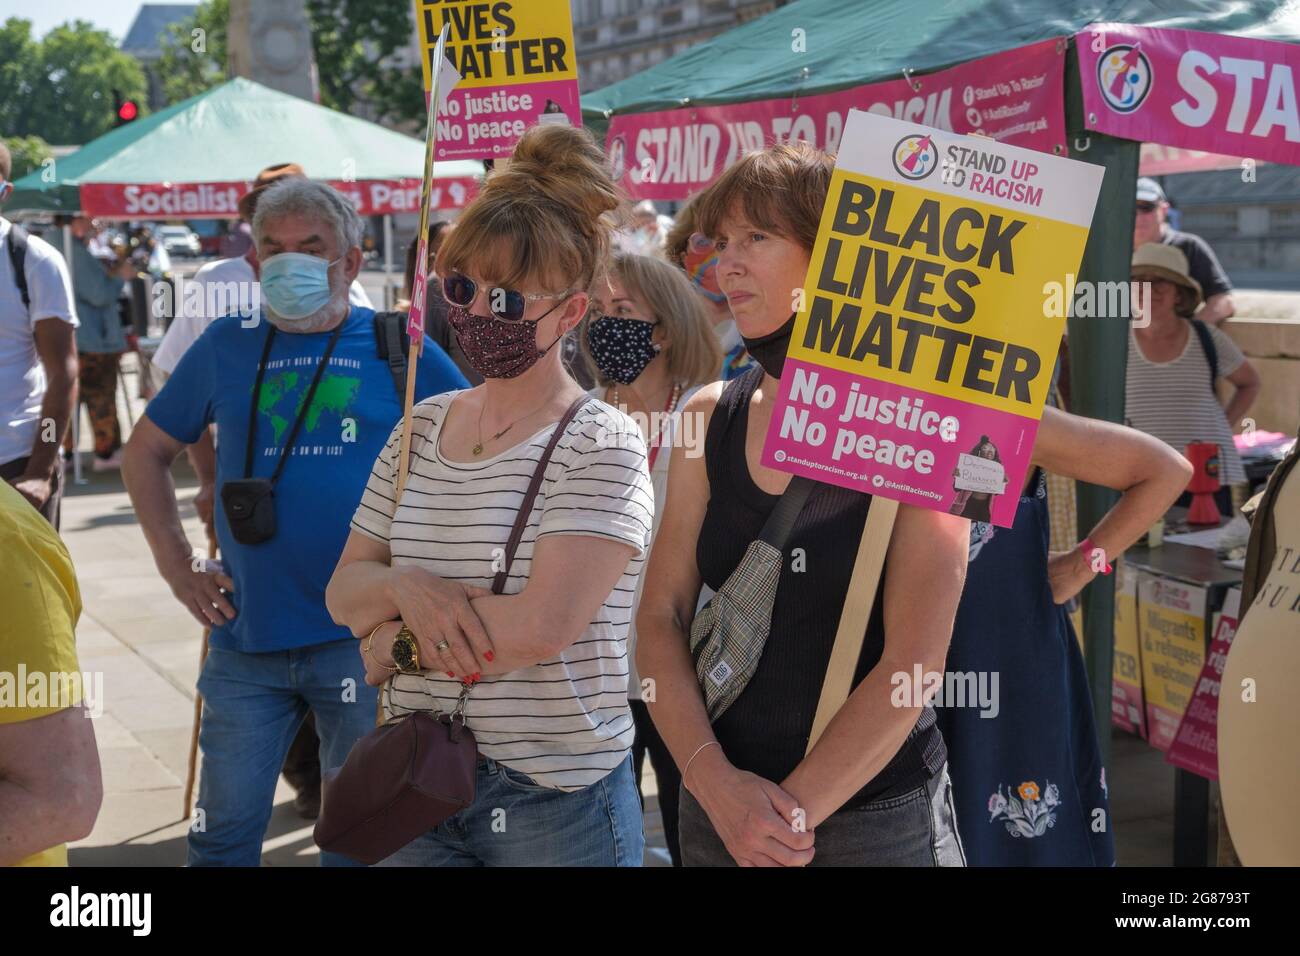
124	110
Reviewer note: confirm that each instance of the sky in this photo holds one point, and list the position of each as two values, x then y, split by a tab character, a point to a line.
115	16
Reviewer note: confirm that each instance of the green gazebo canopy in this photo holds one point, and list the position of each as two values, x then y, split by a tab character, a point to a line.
228	134
852	42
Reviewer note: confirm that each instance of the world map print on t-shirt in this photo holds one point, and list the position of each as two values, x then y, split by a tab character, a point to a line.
284	390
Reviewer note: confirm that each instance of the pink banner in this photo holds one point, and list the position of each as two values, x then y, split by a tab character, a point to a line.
1195	746
1192	90
220	200
486	122
870	435
1016	96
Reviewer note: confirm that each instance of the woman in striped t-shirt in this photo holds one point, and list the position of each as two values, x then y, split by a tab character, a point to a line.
1170	379
546	660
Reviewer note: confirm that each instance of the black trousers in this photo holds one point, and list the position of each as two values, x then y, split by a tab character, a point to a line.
648	742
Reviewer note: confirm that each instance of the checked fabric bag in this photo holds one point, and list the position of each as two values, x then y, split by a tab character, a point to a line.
728	633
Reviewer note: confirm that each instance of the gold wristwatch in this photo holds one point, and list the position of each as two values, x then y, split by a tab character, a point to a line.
405	652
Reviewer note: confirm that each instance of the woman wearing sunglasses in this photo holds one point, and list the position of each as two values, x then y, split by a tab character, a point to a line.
649	341
541	668
875	789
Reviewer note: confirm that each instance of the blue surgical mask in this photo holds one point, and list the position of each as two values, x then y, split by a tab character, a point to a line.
296	285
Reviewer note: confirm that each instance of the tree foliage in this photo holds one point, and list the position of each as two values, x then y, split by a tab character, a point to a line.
194	52
353	41
27	152
61	87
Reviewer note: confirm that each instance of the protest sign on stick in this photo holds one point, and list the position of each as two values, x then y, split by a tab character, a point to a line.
443	80
922	340
517	66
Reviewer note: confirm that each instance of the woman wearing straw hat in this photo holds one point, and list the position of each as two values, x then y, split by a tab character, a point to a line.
1174	362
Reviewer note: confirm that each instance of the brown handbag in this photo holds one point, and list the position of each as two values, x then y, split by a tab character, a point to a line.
413	771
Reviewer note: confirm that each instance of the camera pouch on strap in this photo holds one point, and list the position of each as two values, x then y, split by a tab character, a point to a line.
249	503
729	633
250	509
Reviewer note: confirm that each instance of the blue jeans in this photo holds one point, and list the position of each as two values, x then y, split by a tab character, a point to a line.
515	822
253	705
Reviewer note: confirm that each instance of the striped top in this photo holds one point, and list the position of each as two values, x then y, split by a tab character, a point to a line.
1173	401
565	721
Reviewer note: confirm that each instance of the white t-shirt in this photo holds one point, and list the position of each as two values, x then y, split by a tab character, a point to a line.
22	377
221	287
565	721
670	435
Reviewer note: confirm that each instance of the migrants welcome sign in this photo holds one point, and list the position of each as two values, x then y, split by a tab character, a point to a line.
517	67
922	351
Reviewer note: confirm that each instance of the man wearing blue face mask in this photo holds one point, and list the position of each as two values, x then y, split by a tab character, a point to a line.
303	402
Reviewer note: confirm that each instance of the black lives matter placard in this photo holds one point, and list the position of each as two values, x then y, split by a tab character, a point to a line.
517	68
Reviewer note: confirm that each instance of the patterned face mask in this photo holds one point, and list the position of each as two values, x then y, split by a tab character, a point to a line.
701	263
498	349
621	347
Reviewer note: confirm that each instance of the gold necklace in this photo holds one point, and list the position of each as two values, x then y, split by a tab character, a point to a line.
478	449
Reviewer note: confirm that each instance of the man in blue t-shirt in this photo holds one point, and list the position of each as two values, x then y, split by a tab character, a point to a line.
321	402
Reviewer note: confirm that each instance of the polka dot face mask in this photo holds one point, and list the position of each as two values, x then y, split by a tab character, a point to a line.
621	347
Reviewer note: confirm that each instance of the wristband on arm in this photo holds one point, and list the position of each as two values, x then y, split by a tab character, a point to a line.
1088	548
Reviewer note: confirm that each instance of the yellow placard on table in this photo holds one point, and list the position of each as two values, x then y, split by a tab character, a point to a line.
517	66
1127	711
1171	630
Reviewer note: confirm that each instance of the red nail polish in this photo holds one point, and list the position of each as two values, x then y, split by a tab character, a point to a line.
450	674
490	657
477	678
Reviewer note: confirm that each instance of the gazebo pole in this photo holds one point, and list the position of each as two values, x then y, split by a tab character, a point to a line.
388	260
1098	358
75	424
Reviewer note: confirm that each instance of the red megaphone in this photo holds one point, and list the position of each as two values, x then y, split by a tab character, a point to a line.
1204	456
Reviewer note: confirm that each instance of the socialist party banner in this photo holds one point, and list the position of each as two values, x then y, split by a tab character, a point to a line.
1196	743
376	197
1015	96
1192	90
921	333
517	66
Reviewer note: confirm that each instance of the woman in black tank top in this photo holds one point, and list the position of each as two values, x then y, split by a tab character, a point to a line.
875	788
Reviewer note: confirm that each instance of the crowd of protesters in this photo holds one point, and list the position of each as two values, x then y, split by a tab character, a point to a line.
609	391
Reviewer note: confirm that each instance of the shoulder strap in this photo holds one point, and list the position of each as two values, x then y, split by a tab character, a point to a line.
530	496
393	344
1208	347
18	259
779	524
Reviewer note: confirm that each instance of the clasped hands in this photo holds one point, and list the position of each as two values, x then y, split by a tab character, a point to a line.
448	633
759	822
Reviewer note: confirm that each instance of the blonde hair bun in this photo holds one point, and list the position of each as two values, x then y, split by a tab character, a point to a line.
565	165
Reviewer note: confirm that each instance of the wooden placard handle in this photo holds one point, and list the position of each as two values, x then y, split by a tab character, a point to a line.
858	604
